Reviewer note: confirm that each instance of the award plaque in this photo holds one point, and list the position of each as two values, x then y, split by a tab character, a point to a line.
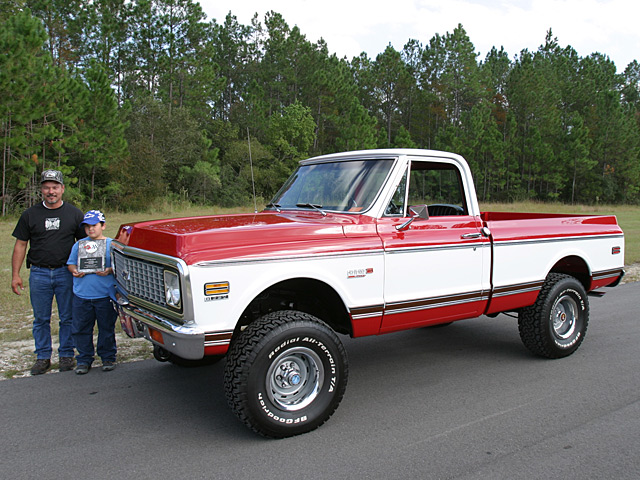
92	255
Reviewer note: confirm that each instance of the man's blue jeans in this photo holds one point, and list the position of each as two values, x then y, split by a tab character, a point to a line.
44	284
85	314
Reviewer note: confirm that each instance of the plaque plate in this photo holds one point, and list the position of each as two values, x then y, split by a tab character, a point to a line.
92	255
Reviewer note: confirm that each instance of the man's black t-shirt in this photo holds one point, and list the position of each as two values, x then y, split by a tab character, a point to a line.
51	233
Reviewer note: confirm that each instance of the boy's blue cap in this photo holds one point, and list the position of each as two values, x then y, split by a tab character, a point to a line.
93	216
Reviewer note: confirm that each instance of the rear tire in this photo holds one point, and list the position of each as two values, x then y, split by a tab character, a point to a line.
286	374
556	324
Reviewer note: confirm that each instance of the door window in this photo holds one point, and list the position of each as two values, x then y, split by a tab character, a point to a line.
437	185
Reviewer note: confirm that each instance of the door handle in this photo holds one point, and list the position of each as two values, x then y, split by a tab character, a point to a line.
471	235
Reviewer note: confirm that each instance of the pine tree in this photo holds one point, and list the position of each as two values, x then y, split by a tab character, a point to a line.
102	131
32	110
392	81
106	31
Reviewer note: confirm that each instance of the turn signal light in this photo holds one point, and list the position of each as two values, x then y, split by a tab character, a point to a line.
156	335
216	288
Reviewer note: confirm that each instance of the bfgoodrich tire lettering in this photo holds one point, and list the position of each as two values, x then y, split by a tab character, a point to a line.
285	374
556	324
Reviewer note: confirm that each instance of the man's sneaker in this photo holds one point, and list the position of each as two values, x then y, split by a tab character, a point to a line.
67	363
82	368
41	366
108	366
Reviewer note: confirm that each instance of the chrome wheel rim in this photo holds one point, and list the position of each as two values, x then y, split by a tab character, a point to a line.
565	317
294	378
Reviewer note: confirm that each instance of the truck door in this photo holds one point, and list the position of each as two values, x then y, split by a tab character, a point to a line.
436	268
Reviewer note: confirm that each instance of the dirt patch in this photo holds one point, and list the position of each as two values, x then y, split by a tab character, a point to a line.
632	273
17	357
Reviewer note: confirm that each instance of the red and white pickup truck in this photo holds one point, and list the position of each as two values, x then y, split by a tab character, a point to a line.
357	243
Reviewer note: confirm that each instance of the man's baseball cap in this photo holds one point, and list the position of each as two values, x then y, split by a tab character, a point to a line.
93	216
52	176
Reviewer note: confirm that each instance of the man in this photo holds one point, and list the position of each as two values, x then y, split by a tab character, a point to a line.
51	228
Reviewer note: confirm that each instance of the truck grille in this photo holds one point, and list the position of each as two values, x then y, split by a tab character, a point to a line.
140	278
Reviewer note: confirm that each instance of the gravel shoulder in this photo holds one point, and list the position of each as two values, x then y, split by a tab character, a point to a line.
17	357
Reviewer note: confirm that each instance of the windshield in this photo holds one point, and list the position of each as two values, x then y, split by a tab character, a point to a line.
348	186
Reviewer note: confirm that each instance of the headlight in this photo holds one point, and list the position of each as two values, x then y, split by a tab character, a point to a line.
172	289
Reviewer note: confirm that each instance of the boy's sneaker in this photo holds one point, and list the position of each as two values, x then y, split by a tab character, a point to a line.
41	366
67	363
81	369
108	366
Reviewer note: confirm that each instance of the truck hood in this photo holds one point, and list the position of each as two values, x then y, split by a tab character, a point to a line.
227	237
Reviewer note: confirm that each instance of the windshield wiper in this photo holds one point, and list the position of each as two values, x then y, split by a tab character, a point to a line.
312	205
274	205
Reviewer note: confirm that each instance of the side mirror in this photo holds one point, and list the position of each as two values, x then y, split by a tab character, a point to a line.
415	211
419	211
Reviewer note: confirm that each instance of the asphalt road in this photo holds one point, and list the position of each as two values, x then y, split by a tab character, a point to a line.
462	402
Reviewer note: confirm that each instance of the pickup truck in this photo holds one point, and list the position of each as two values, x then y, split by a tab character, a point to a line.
356	243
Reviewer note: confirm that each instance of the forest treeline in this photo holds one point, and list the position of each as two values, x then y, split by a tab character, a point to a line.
142	100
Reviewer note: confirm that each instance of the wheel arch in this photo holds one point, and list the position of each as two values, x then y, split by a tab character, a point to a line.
305	294
575	266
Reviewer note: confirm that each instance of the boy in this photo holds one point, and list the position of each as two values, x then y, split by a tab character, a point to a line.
93	288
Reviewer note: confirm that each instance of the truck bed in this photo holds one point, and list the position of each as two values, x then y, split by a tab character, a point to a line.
518	226
526	246
584	219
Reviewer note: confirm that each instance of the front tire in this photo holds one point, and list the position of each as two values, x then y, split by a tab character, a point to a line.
556	324
286	374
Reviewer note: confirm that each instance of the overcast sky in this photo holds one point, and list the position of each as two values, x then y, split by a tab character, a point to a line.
352	26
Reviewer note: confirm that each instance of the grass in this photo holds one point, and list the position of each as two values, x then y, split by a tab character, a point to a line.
16	347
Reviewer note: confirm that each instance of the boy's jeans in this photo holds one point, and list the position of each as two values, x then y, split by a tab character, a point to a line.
44	284
85	314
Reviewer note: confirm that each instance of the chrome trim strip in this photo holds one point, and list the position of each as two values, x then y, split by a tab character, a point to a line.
361	253
516	292
371	311
508	243
290	258
217	343
392	251
454	299
518	288
436	248
607	274
363	316
434	302
353	156
147	255
214	339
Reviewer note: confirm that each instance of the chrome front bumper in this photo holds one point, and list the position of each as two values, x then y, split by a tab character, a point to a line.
181	340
